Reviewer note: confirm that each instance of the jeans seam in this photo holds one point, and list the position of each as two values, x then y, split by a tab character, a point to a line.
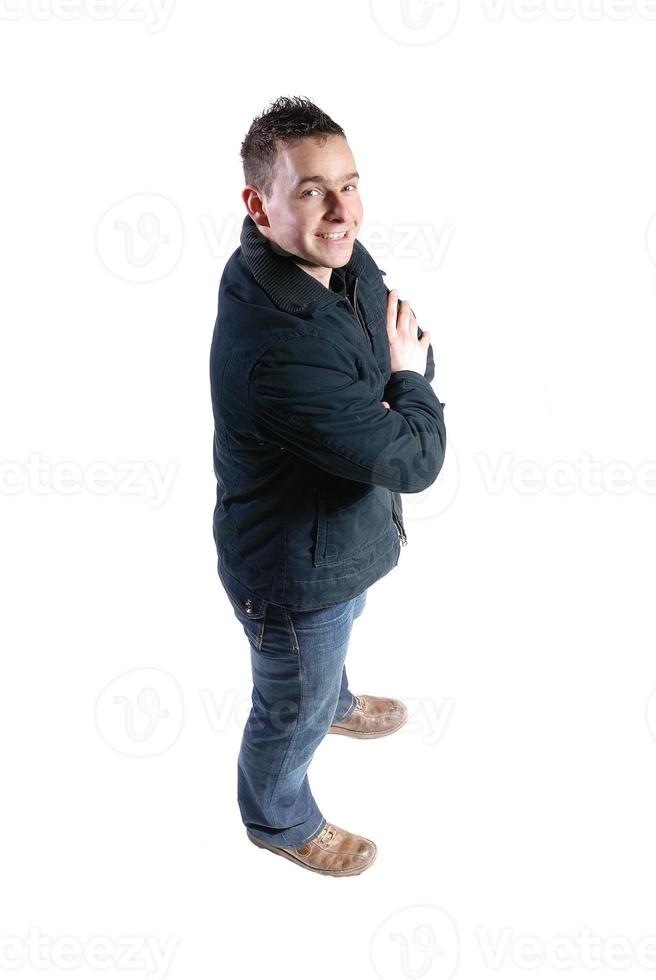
296	726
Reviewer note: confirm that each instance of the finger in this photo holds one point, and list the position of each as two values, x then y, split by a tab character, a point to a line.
403	318
392	300
386	404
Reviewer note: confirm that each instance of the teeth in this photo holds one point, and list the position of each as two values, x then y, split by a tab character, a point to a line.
333	234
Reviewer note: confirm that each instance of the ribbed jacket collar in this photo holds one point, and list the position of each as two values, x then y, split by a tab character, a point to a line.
290	288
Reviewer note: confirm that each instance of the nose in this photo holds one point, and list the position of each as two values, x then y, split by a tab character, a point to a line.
336	207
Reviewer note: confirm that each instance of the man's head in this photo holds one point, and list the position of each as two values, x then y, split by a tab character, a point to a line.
302	184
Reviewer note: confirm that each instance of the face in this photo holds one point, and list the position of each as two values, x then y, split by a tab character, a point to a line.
301	211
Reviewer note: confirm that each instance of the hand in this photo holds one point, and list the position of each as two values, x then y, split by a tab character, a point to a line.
407	352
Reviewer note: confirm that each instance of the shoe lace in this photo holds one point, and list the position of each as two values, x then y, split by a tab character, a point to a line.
360	702
327	833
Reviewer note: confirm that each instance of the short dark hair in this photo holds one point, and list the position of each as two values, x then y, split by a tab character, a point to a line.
285	121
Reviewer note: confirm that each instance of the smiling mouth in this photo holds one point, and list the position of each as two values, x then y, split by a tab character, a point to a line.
341	236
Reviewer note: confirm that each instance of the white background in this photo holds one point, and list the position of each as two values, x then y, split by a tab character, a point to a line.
519	799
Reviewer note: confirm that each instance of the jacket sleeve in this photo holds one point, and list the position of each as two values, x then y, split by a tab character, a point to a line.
429	373
305	394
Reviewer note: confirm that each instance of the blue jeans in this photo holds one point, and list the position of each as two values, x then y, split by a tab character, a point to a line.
300	689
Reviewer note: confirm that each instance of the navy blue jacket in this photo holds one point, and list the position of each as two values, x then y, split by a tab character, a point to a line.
310	466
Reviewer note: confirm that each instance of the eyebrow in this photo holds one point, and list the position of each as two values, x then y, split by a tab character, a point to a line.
318	179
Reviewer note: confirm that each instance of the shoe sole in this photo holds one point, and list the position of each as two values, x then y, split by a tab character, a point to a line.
347	731
308	867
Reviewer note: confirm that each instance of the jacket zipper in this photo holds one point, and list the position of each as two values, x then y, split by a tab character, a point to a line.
399	525
354	307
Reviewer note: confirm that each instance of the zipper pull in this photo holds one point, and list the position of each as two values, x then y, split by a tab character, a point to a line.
400	529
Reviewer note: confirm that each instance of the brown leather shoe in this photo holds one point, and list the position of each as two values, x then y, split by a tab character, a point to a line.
372	718
334	851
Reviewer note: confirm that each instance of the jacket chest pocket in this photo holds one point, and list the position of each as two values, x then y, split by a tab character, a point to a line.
343	530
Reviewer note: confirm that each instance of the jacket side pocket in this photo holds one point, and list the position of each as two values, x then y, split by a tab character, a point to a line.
319	555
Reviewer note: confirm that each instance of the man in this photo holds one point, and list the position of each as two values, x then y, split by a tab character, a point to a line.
324	414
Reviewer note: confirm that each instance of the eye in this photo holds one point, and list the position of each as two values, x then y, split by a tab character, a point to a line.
305	193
